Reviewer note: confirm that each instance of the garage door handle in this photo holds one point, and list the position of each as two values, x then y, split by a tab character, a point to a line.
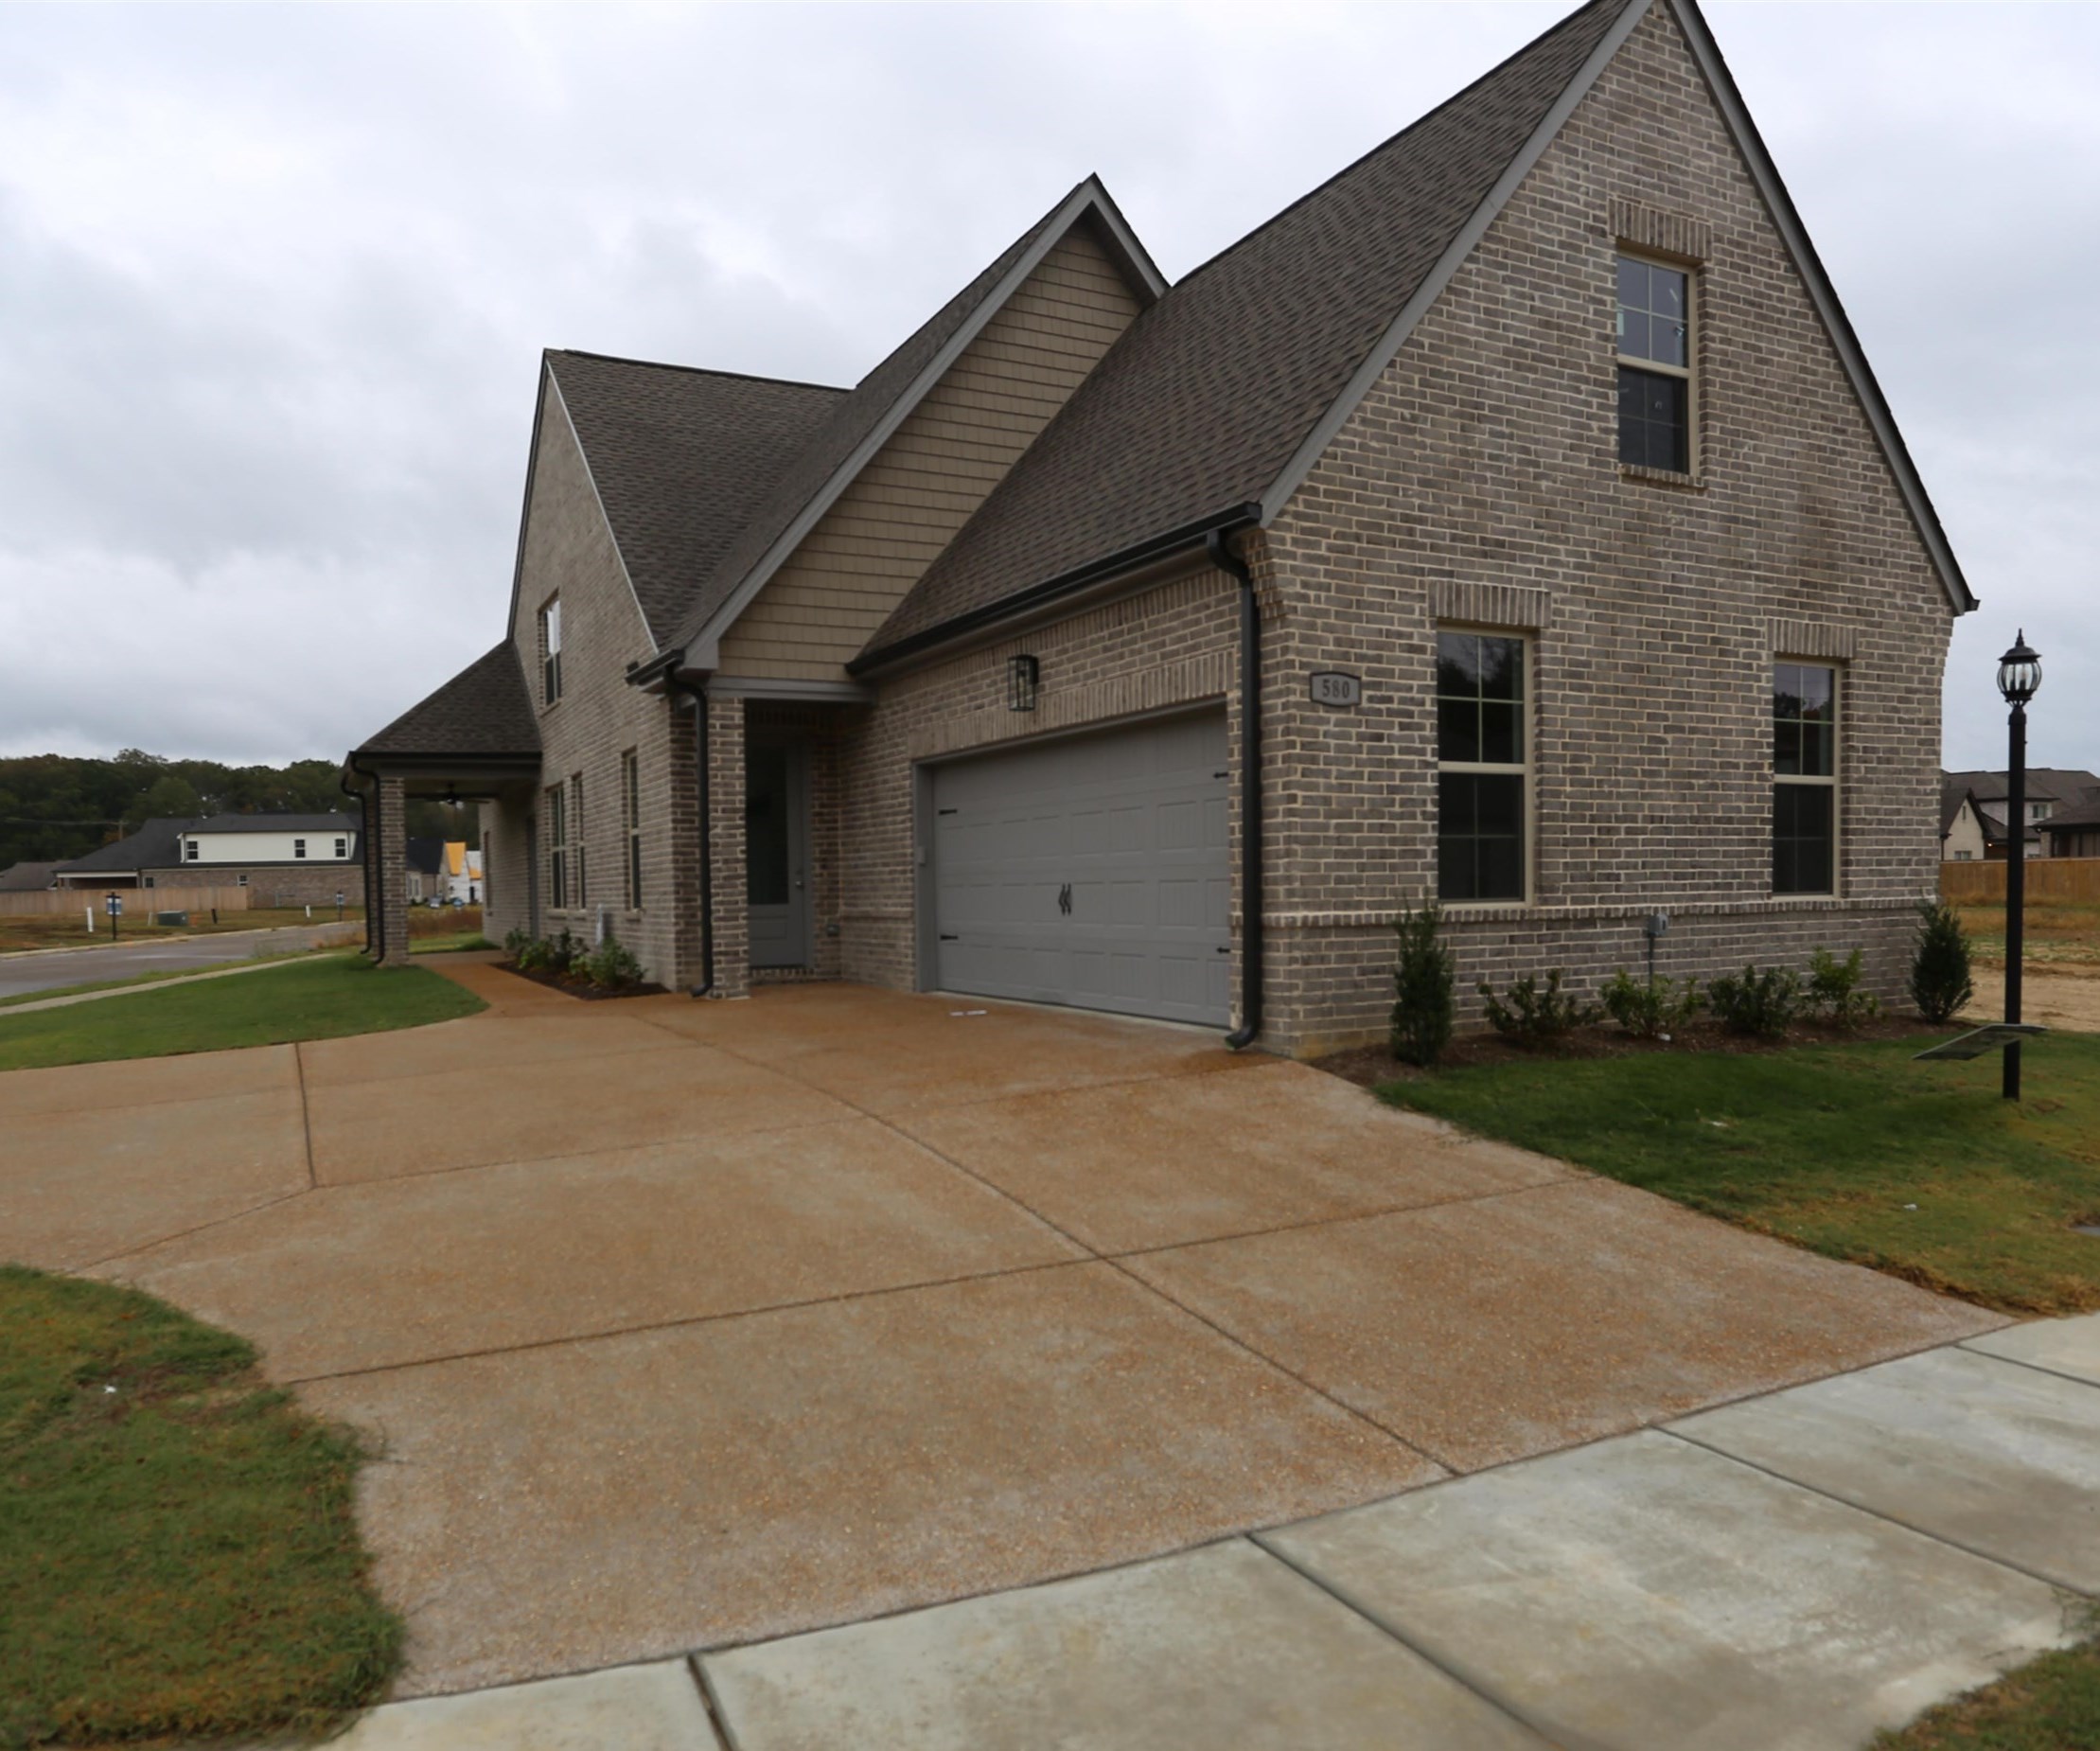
1065	899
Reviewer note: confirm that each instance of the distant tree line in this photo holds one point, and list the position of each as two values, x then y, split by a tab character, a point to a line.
55	807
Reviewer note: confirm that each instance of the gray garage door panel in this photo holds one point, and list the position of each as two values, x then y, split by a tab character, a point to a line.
1133	824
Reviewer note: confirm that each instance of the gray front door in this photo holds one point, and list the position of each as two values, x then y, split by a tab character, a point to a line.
1092	870
776	852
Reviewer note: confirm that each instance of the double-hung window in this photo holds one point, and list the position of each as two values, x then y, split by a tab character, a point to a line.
189	851
1483	766
298	848
558	846
630	817
1804	778
1655	365
343	848
550	652
578	832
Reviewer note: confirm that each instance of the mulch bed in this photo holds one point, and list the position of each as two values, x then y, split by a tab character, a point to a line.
570	986
1369	1065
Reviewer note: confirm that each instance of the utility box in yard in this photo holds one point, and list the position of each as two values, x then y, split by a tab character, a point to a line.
171	917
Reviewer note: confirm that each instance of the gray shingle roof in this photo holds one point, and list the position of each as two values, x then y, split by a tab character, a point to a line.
274	823
856	415
684	460
1203	403
155	845
26	878
483	710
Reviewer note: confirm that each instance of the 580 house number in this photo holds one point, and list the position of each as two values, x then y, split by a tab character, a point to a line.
1331	687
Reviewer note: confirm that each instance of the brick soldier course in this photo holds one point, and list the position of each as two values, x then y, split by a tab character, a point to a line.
1396	401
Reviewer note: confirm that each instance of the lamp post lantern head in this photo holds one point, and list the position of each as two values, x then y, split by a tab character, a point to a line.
2019	672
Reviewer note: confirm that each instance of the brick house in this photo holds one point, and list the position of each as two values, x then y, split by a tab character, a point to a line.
282	859
1514	519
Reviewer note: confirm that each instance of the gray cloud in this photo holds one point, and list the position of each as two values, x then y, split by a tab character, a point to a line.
274	281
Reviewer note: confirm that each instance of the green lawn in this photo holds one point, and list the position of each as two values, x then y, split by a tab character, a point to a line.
455	943
20	997
1850	1149
178	1550
309	999
2052	1704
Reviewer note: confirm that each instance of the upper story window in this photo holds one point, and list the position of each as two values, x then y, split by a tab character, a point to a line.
343	848
550	652
189	851
298	848
1804	778
1655	365
1483	766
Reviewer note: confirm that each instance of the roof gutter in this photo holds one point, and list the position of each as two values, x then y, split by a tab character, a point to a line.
1219	544
1054	589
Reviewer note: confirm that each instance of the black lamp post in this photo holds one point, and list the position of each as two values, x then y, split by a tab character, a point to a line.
2019	676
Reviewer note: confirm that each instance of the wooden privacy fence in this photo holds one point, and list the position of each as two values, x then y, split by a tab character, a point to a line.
137	901
2066	881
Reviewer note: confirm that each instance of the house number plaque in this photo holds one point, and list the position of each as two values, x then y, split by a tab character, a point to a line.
1331	687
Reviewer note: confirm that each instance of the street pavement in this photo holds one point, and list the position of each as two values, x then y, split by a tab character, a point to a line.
50	969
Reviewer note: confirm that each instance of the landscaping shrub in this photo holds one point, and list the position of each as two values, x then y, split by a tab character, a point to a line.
611	966
1757	1002
1651	1009
1536	1016
1422	981
1940	981
1834	989
515	940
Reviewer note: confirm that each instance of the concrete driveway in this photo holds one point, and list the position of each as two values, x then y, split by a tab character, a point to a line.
687	1324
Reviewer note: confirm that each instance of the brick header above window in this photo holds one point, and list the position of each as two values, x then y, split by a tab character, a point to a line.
1515	606
1811	638
1668	233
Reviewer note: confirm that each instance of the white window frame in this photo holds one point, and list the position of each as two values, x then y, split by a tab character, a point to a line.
1830	782
190	851
557	799
550	652
1689	372
1527	770
630	813
343	848
298	848
578	839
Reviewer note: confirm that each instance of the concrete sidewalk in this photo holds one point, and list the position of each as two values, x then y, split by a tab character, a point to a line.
1786	1573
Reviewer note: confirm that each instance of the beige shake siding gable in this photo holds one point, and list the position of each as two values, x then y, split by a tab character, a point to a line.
820	608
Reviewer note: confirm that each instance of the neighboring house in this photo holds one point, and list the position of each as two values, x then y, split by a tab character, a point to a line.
26	878
462	873
424	860
2050	789
2073	830
284	859
1513	521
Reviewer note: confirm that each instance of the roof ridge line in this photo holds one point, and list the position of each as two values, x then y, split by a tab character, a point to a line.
1393	139
696	370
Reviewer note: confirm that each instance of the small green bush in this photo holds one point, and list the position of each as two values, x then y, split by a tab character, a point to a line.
1757	1002
546	954
1651	1010
1940	981
1834	989
1536	1016
610	966
515	940
1422	981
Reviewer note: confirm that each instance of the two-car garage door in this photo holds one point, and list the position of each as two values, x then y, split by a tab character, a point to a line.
1091	869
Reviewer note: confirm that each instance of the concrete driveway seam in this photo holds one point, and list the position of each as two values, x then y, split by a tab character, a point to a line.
1329	1222
580	1341
161	1240
306	1112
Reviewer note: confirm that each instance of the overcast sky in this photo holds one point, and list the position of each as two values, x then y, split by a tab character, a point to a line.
273	282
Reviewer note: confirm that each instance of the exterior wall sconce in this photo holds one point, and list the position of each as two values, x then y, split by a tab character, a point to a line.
1022	673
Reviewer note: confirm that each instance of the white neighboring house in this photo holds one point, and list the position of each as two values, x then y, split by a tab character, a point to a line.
284	859
459	874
